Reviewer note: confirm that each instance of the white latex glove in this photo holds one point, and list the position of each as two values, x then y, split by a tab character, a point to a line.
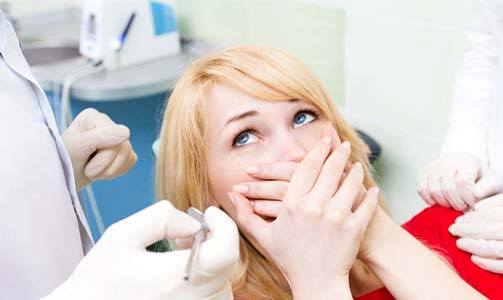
457	180
98	148
119	267
481	233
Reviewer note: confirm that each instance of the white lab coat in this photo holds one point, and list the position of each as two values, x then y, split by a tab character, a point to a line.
43	230
476	119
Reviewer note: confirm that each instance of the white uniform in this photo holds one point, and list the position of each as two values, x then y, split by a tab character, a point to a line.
44	233
476	120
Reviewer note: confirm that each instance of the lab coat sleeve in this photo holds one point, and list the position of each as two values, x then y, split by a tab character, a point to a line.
474	88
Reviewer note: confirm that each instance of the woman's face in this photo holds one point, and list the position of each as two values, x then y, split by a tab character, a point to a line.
243	131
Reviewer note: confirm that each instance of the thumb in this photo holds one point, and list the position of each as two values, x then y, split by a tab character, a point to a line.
103	137
488	184
221	250
156	222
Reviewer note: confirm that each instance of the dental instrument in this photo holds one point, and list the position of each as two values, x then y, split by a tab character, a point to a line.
199	238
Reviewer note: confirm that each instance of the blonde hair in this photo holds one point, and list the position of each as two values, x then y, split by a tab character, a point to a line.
182	175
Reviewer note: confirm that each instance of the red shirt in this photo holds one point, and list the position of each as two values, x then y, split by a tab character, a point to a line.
431	227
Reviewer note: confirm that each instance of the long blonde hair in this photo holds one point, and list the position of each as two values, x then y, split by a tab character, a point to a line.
182	175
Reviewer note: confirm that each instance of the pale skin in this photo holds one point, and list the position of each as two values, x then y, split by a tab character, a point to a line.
254	148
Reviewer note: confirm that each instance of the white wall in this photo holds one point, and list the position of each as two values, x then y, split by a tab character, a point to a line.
401	58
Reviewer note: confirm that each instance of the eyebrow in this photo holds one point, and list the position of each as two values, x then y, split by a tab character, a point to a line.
248	114
241	116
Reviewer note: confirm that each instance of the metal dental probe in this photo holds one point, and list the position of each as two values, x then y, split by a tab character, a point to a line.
199	238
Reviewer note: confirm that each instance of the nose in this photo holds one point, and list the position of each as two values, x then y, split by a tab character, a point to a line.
291	149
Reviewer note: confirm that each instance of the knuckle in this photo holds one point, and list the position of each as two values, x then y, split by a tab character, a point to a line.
312	210
113	230
165	206
335	217
291	207
89	111
351	224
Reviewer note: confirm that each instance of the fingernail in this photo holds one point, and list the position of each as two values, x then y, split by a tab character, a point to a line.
253	170
346	145
240	188
327	140
358	165
252	203
375	190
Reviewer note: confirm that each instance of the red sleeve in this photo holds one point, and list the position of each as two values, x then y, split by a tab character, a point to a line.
431	228
379	294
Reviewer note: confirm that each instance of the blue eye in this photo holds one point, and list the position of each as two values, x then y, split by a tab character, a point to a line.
303	118
244	138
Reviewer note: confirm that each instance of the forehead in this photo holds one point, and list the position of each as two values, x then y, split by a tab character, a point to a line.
224	101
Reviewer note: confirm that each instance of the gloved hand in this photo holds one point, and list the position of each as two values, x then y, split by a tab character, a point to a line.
457	180
98	148
119	267
481	233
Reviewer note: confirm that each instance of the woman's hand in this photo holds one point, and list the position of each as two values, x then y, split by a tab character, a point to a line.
315	225
267	193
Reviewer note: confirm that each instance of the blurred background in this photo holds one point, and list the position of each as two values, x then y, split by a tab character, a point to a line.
389	65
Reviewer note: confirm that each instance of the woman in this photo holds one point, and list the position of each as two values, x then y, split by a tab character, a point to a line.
245	106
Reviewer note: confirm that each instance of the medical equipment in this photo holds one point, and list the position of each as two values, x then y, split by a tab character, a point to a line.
127	32
199	238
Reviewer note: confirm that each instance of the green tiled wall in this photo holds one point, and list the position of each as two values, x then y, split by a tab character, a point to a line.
312	32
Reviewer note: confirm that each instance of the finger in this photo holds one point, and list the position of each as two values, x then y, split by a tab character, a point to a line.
478	230
90	118
104	137
435	188
247	219
122	163
345	197
434	184
282	170
489	184
422	185
363	214
330	174
465	181
271	190
489	203
154	223
492	265
156	263
488	215
126	167
267	208
221	249
307	173
450	191
481	248
101	161
487	187
184	243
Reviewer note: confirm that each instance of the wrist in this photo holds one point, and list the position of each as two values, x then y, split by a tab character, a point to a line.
378	237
